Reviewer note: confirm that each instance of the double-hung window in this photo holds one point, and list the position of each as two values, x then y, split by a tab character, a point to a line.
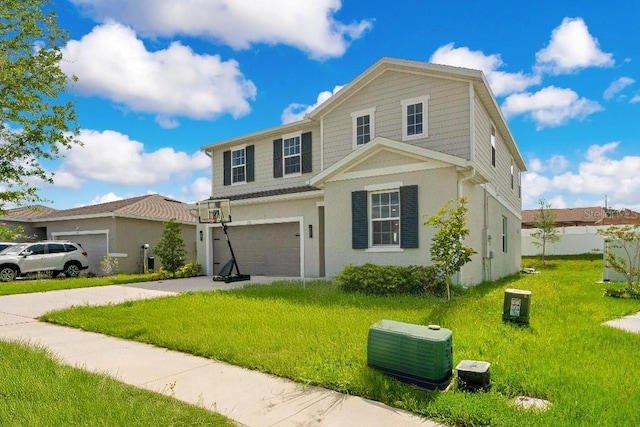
415	115
291	151
385	218
238	166
363	126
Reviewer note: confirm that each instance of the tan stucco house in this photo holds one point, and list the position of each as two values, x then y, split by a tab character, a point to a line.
119	229
352	182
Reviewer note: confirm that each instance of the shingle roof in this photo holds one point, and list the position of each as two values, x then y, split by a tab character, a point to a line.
30	212
267	193
594	215
151	206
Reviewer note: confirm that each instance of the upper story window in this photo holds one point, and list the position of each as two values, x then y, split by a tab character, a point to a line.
493	146
415	114
291	151
385	219
505	231
512	175
238	166
292	155
363	126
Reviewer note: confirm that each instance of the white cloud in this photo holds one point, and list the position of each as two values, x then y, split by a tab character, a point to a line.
616	87
199	189
556	163
550	107
105	198
501	83
112	157
295	112
111	62
571	48
306	25
635	99
599	173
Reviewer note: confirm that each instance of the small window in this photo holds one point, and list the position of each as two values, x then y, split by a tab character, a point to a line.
415	118
385	219
504	234
493	146
512	176
363	126
238	166
291	150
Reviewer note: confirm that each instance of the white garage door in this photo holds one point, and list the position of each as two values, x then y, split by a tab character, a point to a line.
260	250
96	247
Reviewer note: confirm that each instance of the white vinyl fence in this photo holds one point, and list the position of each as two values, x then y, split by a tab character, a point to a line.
573	241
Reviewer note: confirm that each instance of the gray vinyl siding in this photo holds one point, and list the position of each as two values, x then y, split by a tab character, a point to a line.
448	114
500	174
263	166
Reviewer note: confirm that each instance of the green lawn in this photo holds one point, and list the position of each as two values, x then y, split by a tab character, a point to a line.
37	391
25	286
315	334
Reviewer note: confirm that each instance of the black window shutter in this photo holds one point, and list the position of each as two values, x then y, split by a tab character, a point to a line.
359	220
306	152
409	224
226	157
277	158
250	163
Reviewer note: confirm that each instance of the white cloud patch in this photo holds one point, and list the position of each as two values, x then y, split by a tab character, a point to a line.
105	198
502	83
635	99
572	48
199	189
550	107
599	173
556	163
616	87
295	111
310	26
111	62
112	157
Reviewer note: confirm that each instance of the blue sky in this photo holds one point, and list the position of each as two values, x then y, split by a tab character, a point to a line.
160	79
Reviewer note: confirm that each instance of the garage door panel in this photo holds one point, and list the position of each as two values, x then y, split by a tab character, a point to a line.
261	250
96	246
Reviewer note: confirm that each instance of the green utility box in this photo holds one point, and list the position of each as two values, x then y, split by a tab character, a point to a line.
417	354
473	375
517	305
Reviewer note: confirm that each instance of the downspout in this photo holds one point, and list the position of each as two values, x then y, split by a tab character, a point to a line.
471	174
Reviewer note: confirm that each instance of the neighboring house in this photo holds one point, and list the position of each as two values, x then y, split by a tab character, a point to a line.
352	182
119	229
577	228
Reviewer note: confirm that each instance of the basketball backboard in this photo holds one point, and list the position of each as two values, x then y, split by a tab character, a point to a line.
215	210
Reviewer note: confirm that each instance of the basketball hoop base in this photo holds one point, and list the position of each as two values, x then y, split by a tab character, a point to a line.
232	278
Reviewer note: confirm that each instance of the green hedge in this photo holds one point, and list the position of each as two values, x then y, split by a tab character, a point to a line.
391	280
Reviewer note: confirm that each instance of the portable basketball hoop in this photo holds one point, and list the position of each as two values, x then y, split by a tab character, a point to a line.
219	211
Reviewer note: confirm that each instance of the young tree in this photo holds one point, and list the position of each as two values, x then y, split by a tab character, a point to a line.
34	123
622	251
171	248
448	251
545	222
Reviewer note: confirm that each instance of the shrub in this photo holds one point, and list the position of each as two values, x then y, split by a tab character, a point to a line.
391	280
191	269
109	266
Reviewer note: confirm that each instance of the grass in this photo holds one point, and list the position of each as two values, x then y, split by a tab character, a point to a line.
35	391
316	334
24	286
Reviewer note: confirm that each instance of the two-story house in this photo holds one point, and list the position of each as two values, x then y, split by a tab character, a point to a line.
353	181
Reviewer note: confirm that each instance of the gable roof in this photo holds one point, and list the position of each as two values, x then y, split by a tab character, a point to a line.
378	144
476	77
29	212
591	215
151	206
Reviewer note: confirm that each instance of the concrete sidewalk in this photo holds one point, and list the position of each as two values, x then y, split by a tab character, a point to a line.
248	397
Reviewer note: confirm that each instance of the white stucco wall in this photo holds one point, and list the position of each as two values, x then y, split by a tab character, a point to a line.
573	241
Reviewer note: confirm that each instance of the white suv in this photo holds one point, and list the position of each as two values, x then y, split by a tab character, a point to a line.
55	257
